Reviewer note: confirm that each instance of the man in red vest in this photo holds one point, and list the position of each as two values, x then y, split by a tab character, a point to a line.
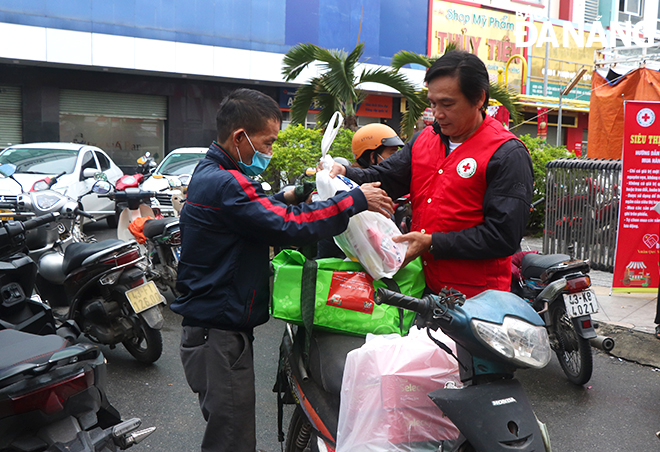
470	182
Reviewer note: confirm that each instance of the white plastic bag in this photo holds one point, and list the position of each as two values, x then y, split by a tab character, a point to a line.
384	403
368	238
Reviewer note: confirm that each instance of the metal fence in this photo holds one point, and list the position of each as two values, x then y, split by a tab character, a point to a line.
582	209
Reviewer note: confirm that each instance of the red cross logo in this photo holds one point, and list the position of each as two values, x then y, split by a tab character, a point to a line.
467	167
645	117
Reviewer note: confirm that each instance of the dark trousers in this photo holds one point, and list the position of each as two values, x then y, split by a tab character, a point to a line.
219	368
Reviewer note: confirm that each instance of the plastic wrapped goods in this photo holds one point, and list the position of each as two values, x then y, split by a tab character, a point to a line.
384	402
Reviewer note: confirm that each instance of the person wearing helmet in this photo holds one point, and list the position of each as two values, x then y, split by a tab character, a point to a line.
374	143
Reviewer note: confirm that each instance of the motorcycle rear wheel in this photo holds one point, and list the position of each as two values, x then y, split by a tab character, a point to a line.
147	346
573	351
299	433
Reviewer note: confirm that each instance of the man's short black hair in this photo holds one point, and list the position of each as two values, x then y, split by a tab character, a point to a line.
470	71
247	109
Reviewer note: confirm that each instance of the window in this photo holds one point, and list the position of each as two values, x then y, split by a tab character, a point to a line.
88	161
633	7
41	161
103	161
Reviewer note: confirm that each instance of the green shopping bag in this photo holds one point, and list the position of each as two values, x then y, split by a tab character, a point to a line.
340	295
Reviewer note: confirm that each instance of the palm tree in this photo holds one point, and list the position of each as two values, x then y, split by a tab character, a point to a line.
338	87
500	93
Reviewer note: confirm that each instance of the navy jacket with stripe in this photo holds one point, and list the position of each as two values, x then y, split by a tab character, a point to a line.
227	226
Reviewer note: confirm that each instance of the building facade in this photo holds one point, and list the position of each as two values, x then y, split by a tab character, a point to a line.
145	75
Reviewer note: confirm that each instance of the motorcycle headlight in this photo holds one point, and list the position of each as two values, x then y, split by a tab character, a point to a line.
521	342
45	201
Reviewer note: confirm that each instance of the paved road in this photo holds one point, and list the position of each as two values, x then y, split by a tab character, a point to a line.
618	410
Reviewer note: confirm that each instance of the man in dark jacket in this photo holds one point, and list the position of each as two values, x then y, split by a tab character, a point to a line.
470	182
227	226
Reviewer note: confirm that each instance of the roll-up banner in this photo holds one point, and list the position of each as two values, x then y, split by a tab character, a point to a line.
638	232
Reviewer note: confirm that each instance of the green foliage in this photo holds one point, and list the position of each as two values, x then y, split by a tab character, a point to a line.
297	149
337	88
541	154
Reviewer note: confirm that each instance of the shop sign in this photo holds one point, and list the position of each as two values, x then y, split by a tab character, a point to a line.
638	231
286	99
376	107
487	33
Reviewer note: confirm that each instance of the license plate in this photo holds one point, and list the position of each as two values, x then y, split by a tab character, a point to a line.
5	217
580	303
144	297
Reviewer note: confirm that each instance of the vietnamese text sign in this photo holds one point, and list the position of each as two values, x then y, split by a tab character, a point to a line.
376	107
485	32
637	245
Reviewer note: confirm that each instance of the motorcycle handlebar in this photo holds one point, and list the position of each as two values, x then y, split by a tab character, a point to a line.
43	219
421	306
84	214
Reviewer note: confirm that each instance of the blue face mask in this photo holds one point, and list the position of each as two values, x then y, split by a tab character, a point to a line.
259	163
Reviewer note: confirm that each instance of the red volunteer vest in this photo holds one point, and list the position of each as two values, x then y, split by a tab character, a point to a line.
447	195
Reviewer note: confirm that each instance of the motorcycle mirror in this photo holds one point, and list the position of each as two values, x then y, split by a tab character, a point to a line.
7	169
185	179
89	173
102	187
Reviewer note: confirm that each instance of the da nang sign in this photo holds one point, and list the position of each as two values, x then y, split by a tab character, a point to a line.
489	34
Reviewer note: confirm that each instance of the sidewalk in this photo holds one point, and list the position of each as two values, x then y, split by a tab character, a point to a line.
628	318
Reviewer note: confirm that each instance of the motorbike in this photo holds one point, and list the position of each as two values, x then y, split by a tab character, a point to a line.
163	203
495	333
558	287
52	394
161	237
98	289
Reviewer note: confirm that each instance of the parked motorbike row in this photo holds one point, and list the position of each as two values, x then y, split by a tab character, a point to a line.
57	285
52	394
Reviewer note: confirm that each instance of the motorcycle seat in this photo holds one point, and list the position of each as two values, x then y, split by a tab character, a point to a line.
76	253
533	265
327	358
25	348
153	228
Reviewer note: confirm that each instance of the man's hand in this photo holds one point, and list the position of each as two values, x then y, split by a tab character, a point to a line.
290	197
377	198
418	244
337	168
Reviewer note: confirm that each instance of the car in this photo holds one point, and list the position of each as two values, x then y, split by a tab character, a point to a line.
173	170
179	162
80	166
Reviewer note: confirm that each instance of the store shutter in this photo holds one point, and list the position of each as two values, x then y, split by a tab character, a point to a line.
118	105
11	124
